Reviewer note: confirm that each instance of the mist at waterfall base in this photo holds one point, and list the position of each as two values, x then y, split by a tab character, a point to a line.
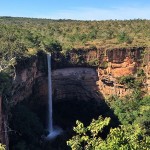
53	131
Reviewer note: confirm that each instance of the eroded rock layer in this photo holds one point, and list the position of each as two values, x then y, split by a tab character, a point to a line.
75	83
80	74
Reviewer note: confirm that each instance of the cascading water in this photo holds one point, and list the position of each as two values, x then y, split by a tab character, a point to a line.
53	132
50	111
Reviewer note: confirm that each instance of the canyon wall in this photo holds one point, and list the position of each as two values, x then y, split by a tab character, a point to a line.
110	65
120	62
146	62
75	83
80	74
84	72
26	72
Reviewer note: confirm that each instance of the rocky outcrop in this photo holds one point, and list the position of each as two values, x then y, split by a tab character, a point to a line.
147	71
110	64
120	62
146	67
108	83
26	73
75	83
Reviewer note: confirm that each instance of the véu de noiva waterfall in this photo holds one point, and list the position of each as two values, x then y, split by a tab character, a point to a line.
53	132
50	110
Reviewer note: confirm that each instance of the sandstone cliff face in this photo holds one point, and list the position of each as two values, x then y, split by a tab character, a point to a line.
69	84
147	69
120	62
81	75
23	82
75	83
110	64
30	74
70	80
26	73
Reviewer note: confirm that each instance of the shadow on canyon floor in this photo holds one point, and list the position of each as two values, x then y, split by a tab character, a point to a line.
65	114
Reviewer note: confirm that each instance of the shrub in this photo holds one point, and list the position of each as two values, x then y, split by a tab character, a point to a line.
104	65
94	62
127	80
140	73
124	38
122	138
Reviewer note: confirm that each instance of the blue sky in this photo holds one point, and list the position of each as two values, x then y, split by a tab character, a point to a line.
77	9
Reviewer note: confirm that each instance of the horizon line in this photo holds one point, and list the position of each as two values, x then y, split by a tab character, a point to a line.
67	19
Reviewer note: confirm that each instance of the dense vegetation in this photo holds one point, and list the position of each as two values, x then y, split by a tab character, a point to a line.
133	134
125	137
24	36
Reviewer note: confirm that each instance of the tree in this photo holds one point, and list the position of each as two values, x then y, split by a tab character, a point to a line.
132	109
125	137
51	45
123	37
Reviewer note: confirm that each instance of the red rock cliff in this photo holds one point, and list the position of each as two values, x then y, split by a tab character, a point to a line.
120	62
107	64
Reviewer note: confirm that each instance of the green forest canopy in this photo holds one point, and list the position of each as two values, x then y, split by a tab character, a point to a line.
133	133
26	35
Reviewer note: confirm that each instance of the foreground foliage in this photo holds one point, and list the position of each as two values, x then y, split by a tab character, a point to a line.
130	110
2	147
133	112
125	137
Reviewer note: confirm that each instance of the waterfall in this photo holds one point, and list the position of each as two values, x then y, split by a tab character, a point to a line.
50	111
53	131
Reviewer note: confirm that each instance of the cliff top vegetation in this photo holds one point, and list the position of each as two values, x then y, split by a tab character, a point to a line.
25	36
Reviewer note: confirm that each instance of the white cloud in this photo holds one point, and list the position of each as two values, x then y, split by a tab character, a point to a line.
101	14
